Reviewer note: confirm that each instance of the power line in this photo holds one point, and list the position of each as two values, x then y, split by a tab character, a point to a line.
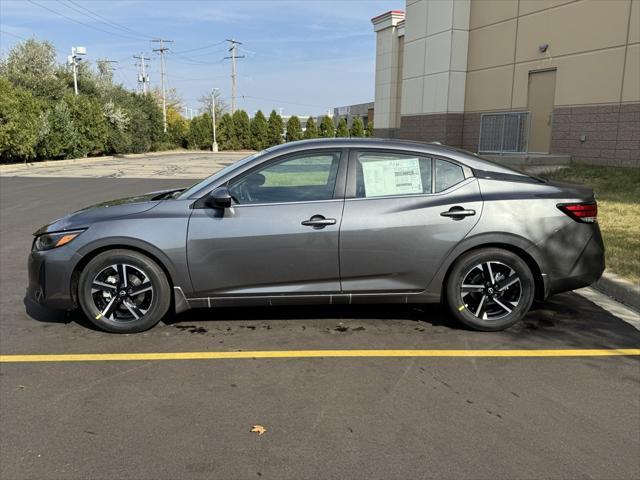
200	48
186	61
13	35
106	21
82	23
284	101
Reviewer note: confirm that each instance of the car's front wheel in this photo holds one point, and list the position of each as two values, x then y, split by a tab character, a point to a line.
490	289
123	291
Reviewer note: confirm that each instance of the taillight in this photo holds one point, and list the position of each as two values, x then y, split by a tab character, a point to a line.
581	212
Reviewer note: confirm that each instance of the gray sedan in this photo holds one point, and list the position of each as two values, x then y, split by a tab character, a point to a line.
336	221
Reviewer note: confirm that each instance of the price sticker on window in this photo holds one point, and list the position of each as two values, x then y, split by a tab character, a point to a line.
397	176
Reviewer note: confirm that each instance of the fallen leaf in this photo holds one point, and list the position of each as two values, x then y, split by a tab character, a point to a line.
259	429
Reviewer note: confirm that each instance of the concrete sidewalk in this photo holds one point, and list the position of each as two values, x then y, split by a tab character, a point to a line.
179	164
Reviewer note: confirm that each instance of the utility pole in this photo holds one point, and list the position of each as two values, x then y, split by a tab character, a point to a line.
105	69
143	76
234	50
163	49
72	60
214	145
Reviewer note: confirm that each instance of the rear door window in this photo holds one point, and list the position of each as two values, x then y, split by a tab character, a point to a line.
392	174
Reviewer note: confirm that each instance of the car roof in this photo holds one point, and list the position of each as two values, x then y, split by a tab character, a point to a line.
430	148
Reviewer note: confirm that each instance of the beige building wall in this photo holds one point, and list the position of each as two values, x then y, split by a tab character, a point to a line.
593	44
462	58
435	42
389	61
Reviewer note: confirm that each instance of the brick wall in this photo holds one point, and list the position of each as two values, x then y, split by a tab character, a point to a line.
440	127
471	131
611	134
385	132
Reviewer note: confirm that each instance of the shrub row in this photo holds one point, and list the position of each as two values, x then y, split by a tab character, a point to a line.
42	118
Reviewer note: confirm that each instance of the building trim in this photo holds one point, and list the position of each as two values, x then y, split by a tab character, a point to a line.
386	20
518	15
550	59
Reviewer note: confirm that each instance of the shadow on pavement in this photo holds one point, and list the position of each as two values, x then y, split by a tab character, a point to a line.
565	321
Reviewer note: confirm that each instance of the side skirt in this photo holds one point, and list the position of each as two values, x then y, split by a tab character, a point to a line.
317	299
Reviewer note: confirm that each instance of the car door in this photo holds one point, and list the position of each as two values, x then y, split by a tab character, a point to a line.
403	213
280	236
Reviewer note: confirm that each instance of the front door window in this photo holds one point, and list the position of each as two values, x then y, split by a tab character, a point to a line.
301	178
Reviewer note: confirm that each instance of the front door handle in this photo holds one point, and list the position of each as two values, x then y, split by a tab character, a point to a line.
458	213
318	221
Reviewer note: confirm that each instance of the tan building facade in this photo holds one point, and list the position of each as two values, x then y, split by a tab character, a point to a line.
538	76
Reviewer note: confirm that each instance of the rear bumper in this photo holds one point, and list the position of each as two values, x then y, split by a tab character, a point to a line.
50	278
587	268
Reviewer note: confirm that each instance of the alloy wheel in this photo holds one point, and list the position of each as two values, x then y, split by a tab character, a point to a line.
491	290
122	292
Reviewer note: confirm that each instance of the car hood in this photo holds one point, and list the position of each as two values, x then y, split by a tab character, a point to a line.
109	210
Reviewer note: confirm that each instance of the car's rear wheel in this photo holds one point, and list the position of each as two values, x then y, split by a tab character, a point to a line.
490	289
123	291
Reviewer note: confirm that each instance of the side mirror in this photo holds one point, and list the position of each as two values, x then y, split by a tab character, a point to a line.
219	198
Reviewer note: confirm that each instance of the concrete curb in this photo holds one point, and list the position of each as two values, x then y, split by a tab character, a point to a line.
120	156
619	289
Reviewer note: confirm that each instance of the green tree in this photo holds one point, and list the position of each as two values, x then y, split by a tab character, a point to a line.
146	126
200	132
370	128
357	127
242	129
58	135
342	130
226	135
32	65
327	129
310	130
276	128
294	131
177	128
19	123
90	126
259	131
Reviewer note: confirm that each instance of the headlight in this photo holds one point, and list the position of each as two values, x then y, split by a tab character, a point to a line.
54	240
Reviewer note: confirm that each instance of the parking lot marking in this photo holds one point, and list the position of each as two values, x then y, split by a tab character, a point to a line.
128	357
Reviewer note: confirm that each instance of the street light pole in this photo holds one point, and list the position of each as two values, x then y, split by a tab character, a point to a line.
214	145
73	60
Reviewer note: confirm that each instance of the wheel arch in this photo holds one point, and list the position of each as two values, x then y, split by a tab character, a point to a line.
520	246
91	251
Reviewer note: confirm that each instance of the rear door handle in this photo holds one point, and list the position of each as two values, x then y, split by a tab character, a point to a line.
318	221
458	213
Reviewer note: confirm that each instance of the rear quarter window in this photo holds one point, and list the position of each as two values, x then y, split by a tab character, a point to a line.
447	175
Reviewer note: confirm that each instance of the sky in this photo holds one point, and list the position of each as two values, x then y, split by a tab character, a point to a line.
301	56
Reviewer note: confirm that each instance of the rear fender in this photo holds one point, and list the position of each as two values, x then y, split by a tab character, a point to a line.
519	245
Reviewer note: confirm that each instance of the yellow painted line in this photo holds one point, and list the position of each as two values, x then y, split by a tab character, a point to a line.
128	357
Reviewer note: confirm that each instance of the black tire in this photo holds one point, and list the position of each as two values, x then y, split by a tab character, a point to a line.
113	311
503	306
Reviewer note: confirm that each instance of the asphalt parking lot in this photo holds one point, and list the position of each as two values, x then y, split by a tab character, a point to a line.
392	417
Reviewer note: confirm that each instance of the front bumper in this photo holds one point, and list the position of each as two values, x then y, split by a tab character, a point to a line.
50	275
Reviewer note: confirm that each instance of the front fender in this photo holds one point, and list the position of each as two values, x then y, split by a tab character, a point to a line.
178	276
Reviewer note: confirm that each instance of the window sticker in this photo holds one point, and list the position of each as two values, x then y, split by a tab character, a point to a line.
398	176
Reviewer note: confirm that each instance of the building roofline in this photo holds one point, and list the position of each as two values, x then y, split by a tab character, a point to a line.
390	12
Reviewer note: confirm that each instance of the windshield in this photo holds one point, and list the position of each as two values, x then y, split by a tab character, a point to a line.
202	184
